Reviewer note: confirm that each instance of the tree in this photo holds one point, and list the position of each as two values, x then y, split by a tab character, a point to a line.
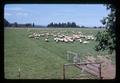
107	39
68	24
28	25
50	25
95	27
63	25
33	25
6	23
73	24
15	24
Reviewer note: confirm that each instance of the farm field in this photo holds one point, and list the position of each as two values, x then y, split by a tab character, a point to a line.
38	59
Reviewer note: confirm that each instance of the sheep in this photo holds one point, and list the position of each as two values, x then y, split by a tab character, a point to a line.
31	36
36	37
55	38
34	34
73	32
90	37
69	38
79	32
61	39
65	40
76	36
58	39
82	36
80	40
85	42
54	35
48	34
46	39
42	35
61	36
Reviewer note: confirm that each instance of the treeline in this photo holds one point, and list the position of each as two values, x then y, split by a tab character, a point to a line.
63	25
15	24
53	25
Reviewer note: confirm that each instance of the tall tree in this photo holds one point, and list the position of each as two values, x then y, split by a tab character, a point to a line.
33	25
16	24
73	24
107	39
6	23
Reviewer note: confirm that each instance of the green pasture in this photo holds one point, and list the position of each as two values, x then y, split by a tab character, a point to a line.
38	59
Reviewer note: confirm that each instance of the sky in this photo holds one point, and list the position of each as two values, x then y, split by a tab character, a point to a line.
43	14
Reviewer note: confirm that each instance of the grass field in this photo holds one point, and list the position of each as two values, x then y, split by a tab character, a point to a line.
38	59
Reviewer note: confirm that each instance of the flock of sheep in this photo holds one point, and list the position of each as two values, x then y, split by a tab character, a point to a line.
60	37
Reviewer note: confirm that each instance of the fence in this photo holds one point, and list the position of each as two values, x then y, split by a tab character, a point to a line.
92	68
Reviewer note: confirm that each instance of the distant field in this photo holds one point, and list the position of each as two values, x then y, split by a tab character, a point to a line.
38	59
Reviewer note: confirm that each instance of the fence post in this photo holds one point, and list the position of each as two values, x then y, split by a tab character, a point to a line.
100	72
63	71
19	73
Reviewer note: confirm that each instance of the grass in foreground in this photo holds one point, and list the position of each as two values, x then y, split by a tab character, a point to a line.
38	59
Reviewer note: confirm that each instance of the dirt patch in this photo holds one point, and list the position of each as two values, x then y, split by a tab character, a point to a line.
108	70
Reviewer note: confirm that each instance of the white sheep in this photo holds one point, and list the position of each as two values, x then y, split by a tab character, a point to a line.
58	39
46	39
36	37
65	40
42	35
61	39
85	42
80	40
31	36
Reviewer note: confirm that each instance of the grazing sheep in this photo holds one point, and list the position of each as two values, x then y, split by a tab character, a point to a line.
55	38
90	37
61	36
61	39
80	40
58	39
70	40
46	39
65	40
31	36
85	42
54	35
79	32
76	36
48	34
73	31
36	37
34	34
42	35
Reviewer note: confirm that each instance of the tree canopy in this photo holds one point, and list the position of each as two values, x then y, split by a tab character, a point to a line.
107	39
63	25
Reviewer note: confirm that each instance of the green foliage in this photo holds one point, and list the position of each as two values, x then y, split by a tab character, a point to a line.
107	38
106	41
63	25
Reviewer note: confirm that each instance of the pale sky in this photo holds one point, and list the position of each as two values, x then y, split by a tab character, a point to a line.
43	14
